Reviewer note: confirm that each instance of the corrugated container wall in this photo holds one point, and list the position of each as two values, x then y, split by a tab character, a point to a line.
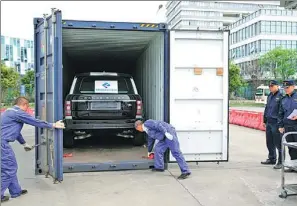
151	65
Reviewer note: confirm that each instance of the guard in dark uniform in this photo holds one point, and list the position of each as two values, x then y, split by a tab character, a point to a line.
288	104
273	137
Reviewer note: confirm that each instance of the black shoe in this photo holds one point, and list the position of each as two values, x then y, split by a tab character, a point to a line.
184	176
5	199
290	170
157	170
268	162
277	166
23	192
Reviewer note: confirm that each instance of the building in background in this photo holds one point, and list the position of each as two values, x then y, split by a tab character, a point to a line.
211	14
17	53
259	33
288	4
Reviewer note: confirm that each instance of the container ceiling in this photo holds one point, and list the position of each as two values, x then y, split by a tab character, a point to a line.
97	44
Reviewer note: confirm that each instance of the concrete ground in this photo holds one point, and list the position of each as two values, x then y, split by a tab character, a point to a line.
242	181
104	148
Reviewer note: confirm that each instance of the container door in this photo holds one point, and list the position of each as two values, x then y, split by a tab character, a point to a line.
48	100
199	93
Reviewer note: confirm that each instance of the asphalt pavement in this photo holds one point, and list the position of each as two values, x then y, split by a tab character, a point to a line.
242	181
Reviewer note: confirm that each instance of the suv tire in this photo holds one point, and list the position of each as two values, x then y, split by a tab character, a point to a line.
139	139
68	139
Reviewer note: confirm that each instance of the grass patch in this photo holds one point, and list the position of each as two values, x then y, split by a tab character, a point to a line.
245	104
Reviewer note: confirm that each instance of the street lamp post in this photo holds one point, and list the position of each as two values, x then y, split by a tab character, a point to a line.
18	70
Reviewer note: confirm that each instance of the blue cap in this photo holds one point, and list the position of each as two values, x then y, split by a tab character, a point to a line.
273	82
288	83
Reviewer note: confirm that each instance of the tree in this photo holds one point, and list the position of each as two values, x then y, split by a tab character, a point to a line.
281	63
235	79
9	83
28	81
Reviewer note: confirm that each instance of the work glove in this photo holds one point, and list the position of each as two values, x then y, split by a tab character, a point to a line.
27	147
59	125
149	153
168	136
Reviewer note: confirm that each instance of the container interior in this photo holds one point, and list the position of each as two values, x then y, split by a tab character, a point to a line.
138	53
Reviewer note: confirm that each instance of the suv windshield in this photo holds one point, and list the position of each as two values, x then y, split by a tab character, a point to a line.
104	85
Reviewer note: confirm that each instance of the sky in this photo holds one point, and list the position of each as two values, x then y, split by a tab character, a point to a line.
17	16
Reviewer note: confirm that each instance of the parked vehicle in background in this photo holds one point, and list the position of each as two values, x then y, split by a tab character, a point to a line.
263	92
102	103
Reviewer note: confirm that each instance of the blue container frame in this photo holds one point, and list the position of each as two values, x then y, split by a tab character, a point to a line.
73	24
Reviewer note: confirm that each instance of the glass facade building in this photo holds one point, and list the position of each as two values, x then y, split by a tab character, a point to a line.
260	33
17	53
210	14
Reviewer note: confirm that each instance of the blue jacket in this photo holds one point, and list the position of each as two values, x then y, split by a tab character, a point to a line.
272	107
288	104
12	121
156	130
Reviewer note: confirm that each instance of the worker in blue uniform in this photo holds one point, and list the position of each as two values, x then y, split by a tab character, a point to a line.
285	124
273	137
12	121
167	138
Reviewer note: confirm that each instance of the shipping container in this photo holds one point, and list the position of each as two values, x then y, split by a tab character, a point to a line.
182	77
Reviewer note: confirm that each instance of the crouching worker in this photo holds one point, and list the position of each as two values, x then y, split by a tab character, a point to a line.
12	121
166	134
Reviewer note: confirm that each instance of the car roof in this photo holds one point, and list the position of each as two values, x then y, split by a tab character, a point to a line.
103	74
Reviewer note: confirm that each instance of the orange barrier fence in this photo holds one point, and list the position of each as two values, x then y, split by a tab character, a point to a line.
248	119
29	111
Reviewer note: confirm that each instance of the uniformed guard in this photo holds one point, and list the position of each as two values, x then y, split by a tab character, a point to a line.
273	137
288	104
12	121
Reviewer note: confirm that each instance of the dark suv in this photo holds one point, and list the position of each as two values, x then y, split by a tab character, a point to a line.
100	103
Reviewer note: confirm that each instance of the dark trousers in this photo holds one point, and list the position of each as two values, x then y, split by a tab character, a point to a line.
273	141
292	138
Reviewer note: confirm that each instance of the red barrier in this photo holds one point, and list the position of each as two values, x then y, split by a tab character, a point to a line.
231	116
247	119
29	111
240	117
236	118
254	120
261	124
